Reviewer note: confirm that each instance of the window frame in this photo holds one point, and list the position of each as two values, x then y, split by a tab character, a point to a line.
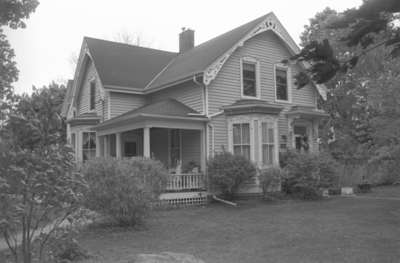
90	148
271	124
241	144
250	60
288	83
92	84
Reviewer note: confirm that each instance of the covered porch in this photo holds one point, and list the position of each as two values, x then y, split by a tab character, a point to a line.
176	138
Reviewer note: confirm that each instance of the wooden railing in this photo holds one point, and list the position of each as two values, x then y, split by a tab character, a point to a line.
185	182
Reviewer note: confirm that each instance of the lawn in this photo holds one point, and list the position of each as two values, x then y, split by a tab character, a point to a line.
340	229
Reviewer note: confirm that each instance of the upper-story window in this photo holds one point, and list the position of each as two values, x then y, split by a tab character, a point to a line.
249	78
281	83
92	95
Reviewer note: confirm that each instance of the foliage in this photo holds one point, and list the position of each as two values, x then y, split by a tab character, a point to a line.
270	179
363	24
124	190
36	119
64	247
12	14
38	189
307	173
227	172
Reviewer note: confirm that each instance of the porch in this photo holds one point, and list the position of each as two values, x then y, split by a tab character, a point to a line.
178	140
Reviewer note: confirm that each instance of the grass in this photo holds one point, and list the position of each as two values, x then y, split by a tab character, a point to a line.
341	229
335	230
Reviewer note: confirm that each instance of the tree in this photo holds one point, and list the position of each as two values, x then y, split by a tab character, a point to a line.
363	24
38	188
12	14
363	103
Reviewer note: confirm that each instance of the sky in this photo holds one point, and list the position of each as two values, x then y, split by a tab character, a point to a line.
45	49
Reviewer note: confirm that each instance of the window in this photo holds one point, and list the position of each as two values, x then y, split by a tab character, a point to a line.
301	138
241	139
130	149
175	147
281	84
92	95
88	145
249	80
267	141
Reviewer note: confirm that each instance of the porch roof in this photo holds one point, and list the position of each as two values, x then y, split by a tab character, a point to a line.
168	109
89	118
248	106
306	112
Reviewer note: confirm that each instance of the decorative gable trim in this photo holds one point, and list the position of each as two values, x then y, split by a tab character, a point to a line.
270	23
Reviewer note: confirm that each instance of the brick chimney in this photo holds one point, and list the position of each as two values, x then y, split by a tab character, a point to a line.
186	40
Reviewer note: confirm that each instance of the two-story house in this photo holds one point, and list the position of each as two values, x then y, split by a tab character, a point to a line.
230	93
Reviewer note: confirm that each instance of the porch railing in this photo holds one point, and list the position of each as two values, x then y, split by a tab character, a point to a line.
185	182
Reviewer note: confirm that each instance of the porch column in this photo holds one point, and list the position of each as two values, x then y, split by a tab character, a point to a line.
106	146
146	142
203	148
118	146
98	147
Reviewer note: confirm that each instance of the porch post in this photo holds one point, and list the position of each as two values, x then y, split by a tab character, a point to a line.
106	148
146	142
203	148
98	152
118	141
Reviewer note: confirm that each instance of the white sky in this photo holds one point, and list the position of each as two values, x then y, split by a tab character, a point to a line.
55	31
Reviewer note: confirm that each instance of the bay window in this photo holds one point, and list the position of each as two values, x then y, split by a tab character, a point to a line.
267	144
241	139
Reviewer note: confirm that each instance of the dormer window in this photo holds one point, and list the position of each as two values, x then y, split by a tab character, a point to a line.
249	78
281	83
92	95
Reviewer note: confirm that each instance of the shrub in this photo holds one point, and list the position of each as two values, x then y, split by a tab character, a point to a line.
270	179
227	172
307	173
124	190
65	248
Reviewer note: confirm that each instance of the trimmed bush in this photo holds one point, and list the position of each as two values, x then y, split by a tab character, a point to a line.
307	173
270	179
227	172
125	189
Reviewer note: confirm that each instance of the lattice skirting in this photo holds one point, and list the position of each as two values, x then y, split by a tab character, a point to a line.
183	199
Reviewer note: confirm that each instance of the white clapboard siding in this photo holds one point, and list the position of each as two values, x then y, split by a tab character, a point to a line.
189	94
83	94
122	102
225	89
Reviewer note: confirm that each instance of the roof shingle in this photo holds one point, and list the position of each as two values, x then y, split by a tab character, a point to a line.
126	65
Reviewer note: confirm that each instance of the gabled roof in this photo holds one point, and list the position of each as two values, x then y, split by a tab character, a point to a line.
139	69
169	108
200	57
126	65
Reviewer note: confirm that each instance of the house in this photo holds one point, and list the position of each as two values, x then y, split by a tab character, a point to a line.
229	93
